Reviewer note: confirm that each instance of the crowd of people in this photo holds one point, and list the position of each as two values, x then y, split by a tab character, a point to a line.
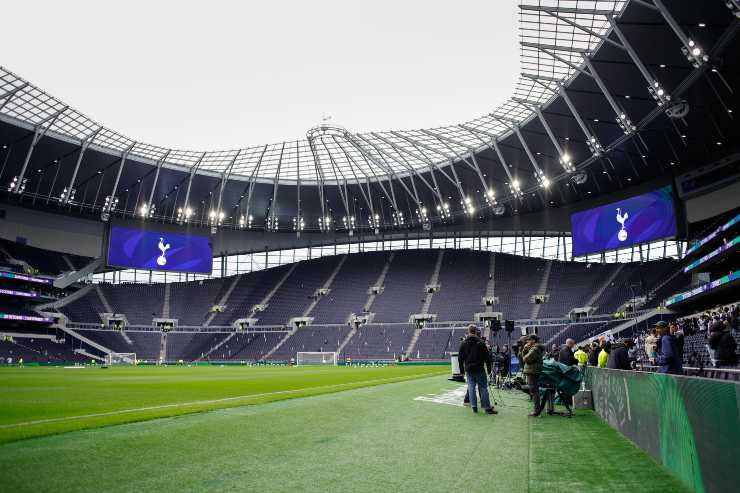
662	346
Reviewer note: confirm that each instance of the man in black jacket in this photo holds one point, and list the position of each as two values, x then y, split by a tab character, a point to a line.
566	353
476	360
619	356
593	355
726	348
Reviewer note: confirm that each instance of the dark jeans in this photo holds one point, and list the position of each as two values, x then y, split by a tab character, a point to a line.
478	378
533	382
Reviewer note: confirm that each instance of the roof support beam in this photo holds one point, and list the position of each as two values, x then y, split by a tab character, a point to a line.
250	190
366	197
8	95
271	226
156	179
566	10
424	157
514	184
224	179
474	165
186	211
320	177
38	132
85	144
383	165
622	117
591	140
539	174
124	155
410	168
565	159
298	219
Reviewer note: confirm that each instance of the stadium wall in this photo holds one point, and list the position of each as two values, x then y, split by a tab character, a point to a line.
688	424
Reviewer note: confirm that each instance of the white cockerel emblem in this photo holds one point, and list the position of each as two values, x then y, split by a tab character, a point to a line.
621	219
162	260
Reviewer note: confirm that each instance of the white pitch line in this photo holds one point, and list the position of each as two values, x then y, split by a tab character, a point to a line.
194	403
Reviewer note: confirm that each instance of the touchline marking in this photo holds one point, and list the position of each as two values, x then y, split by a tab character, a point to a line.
194	403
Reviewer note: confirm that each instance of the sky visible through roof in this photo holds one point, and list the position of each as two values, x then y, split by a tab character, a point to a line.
223	75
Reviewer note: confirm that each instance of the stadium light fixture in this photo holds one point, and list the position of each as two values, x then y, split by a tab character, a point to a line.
566	161
694	54
111	202
325	223
15	187
147	210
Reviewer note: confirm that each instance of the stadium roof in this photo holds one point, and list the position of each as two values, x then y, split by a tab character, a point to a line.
611	95
333	154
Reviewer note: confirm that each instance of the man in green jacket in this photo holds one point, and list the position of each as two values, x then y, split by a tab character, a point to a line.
533	354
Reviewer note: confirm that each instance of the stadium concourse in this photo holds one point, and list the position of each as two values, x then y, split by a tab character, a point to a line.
290	316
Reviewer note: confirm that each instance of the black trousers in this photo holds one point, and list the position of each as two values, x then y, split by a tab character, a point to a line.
533	382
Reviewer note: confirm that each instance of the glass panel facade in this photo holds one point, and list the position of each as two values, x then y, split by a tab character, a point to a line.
548	247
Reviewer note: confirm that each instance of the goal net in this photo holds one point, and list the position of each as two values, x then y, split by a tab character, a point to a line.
316	358
121	359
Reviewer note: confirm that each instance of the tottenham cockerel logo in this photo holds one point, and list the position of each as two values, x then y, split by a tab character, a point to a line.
621	219
162	260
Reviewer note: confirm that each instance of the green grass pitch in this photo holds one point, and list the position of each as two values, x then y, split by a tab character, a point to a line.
301	429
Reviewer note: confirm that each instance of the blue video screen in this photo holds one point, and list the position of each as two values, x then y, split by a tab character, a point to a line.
639	219
159	250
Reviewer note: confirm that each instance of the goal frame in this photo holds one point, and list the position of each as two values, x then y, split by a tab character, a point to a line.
129	357
333	360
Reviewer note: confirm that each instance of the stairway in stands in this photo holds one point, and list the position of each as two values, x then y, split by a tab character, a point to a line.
268	296
379	282
542	289
103	299
491	286
433	280
224	301
604	286
166	301
327	285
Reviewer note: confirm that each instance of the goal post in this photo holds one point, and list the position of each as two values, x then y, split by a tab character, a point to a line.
316	358
121	359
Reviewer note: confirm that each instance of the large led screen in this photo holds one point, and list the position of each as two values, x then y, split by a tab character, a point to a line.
159	250
647	217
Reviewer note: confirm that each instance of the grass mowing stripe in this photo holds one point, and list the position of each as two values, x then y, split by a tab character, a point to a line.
39	402
213	401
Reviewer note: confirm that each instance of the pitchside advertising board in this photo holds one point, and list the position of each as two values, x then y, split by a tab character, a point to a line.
139	248
639	219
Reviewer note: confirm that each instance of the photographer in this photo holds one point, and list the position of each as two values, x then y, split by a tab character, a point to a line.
475	359
533	354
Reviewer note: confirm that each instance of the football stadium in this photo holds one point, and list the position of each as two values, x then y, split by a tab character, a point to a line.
538	294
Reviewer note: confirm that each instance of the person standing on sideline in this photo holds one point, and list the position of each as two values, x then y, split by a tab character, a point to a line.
533	354
475	358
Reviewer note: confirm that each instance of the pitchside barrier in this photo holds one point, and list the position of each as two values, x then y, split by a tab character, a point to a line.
688	424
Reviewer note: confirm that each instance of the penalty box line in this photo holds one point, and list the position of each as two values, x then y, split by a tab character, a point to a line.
195	403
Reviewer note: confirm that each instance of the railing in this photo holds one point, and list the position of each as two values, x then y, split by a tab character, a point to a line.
705	372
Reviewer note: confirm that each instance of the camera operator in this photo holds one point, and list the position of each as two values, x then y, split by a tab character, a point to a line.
476	359
533	354
505	358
